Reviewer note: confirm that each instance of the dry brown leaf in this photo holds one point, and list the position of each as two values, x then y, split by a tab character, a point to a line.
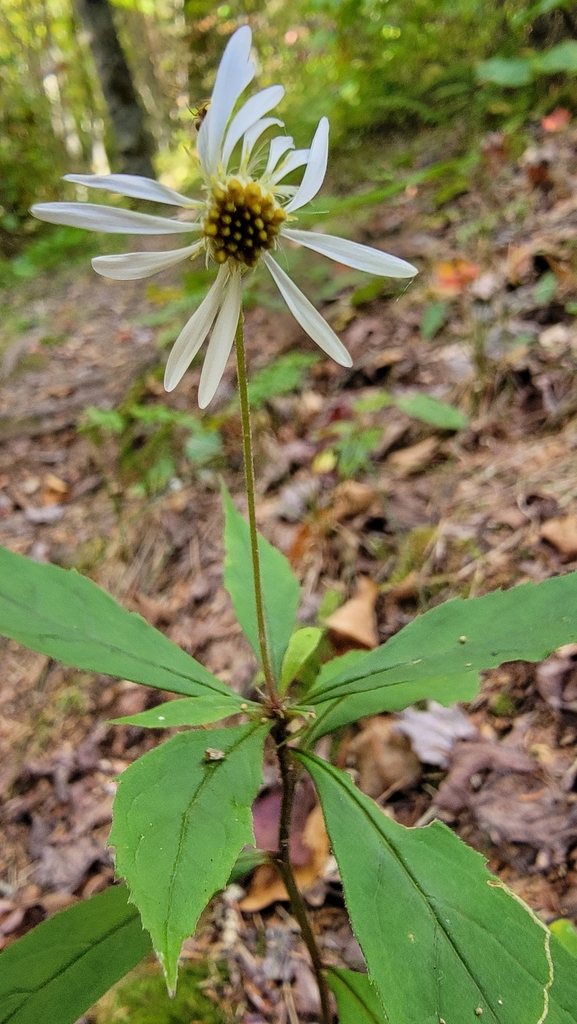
351	498
54	490
433	733
383	758
561	533
356	620
415	459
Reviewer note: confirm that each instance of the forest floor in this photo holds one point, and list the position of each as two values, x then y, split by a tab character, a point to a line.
369	503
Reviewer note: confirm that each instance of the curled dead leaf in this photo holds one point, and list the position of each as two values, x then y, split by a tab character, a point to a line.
355	621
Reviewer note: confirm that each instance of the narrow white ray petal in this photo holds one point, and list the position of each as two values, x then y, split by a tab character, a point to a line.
194	332
316	168
292	162
133	266
252	136
94	217
352	254
234	74
308	317
221	341
133	185
278	148
252	111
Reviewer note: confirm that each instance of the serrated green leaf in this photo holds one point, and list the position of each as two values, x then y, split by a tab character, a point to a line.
431	410
68	617
182	814
439	654
58	970
280	587
189	711
302	644
442	938
356	996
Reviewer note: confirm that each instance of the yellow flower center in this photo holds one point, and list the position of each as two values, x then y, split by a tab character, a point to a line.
242	221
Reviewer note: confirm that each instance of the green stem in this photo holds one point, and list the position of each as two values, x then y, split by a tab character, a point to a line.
250	494
288	770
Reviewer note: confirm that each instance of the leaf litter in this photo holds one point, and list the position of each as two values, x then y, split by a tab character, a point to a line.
353	489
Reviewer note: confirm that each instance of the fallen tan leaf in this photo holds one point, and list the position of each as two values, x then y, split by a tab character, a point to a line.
411	460
561	533
383	757
356	619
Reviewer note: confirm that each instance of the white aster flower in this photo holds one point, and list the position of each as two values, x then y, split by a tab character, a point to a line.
238	222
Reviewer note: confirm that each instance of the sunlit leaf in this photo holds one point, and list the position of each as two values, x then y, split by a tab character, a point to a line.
280	588
182	814
68	617
302	644
442	938
60	968
439	654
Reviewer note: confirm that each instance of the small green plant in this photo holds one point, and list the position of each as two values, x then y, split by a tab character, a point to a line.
443	940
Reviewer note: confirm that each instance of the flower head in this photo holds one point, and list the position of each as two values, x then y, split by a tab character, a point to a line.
244	213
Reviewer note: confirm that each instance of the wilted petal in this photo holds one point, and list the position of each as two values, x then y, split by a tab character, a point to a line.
253	135
94	217
234	74
221	341
194	332
316	168
352	254
133	185
292	162
133	266
252	111
308	317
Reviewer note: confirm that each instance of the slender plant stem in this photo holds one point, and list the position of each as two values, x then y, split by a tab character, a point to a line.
288	770
250	494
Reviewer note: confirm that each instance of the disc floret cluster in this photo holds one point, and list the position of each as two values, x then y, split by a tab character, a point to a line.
242	222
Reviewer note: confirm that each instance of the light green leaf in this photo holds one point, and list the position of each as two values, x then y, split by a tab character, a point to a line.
302	644
356	996
565	932
281	591
58	970
189	711
431	410
182	814
68	617
439	654
434	317
442	938
562	57
510	72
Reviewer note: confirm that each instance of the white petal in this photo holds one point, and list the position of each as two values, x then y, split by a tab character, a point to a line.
133	185
292	162
234	74
133	266
308	317
221	341
253	135
278	148
316	168
252	111
94	217
360	257
194	332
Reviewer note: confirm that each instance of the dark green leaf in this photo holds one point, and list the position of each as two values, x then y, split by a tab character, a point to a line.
431	410
439	654
442	938
189	711
356	996
181	816
67	617
281	591
59	969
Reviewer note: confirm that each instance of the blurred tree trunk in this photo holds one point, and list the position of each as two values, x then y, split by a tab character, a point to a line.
134	143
